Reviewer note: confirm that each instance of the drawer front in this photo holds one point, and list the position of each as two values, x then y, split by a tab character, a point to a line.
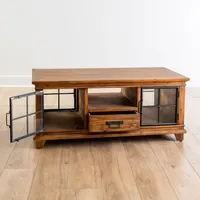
113	122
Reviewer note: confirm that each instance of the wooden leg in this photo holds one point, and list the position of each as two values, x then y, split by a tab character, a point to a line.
179	137
39	143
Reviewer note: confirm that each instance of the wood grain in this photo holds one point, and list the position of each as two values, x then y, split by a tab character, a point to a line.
151	167
150	178
58	121
178	170
96	76
15	184
83	168
83	105
106	102
117	179
182	105
98	123
131	94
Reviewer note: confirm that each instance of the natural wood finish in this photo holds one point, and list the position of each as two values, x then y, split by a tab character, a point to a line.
107	85
97	123
181	105
150	167
138	98
39	144
118	181
15	184
130	79
179	137
83	105
83	169
101	102
149	176
85	134
179	172
38	122
38	104
59	121
131	94
87	78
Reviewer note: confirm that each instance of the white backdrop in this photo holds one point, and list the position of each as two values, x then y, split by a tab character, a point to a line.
98	33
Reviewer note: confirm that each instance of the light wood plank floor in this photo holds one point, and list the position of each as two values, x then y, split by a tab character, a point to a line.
139	168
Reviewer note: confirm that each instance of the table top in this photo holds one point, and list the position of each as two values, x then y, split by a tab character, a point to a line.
91	76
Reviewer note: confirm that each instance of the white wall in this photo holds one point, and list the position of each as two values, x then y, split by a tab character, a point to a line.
98	33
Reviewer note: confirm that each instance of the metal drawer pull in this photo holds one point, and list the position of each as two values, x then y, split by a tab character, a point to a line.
114	124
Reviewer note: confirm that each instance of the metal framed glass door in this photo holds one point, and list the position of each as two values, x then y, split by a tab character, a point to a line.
25	121
159	106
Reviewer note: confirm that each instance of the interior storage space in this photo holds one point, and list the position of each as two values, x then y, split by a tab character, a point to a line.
123	99
60	99
70	111
113	121
62	121
159	106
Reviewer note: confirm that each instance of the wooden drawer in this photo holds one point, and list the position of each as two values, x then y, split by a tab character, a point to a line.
113	122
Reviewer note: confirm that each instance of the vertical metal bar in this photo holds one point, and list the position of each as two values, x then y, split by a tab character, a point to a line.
58	98
11	121
177	105
158	104
75	99
42	107
141	106
27	115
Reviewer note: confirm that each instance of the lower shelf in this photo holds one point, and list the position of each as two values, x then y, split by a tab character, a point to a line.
62	121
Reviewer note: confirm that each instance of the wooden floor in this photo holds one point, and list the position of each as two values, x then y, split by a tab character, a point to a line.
156	168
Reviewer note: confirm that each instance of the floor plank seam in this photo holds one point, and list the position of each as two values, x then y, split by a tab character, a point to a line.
163	171
191	164
8	160
34	176
132	171
102	190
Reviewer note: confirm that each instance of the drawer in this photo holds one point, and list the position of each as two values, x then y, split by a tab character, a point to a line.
113	122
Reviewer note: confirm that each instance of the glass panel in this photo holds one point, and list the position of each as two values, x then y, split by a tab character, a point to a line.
66	101
19	107
51	101
19	127
150	115
23	120
150	97
167	115
168	96
32	126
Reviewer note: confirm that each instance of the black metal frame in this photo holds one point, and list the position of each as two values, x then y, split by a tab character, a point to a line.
12	139
63	109
158	106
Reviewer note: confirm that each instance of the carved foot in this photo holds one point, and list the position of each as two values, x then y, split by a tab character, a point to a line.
179	137
39	144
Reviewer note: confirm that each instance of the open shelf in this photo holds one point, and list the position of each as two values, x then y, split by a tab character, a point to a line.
61	121
106	102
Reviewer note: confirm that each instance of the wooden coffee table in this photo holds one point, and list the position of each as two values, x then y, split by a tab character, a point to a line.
140	101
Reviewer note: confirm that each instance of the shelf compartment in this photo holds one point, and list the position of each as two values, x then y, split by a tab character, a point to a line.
106	102
62	121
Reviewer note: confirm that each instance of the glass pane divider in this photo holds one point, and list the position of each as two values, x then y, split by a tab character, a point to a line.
27	115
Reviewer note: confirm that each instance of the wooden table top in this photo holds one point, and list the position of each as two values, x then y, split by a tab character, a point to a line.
102	76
